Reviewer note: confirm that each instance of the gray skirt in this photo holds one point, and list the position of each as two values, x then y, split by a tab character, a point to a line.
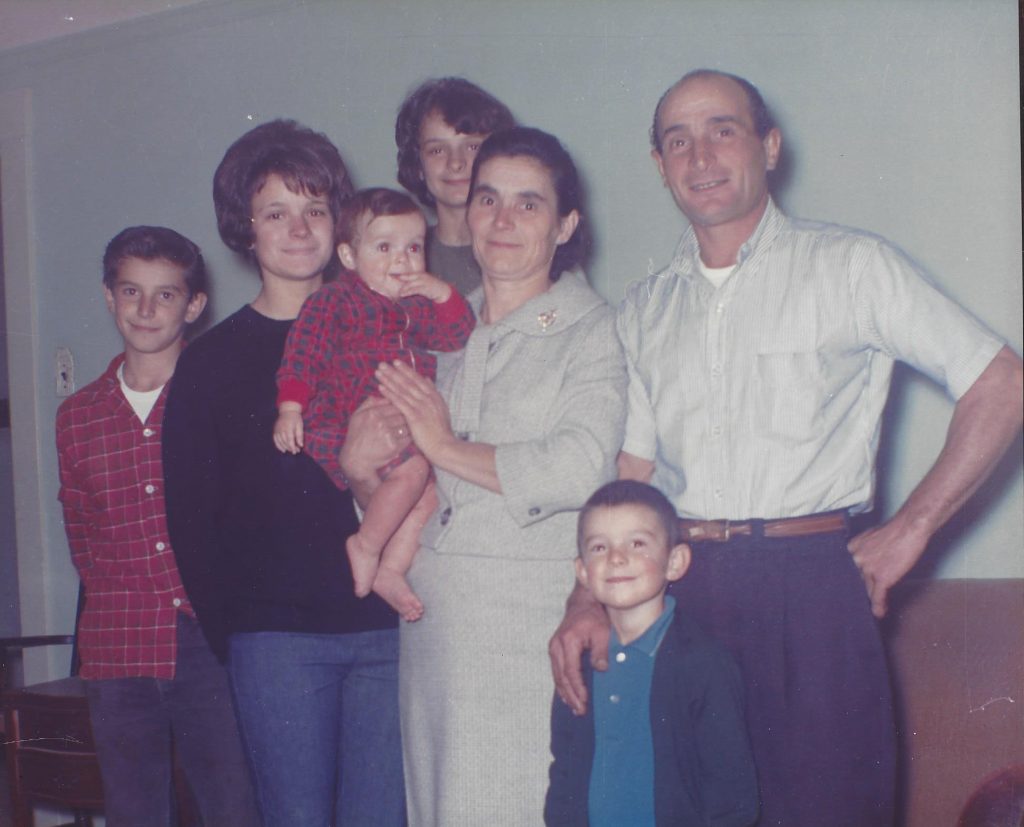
476	688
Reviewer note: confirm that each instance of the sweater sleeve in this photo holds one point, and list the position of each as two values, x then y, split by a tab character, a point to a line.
569	775
559	471
308	348
444	327
193	493
727	777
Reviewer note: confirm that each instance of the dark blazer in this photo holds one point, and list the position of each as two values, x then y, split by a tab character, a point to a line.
703	768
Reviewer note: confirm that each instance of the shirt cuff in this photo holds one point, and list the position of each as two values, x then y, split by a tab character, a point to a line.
451	310
294	390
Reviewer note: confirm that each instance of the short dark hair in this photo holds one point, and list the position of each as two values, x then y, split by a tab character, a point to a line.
376	201
465	107
150	244
762	116
527	142
305	160
631	492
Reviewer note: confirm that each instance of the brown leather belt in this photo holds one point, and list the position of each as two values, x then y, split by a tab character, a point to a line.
720	531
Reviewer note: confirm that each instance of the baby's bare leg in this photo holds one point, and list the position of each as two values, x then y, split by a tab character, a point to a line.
388	507
397	557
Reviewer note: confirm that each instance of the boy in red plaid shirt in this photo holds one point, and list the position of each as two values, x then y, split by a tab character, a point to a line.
384	306
148	669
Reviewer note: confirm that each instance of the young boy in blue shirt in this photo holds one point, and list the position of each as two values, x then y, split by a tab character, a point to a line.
664	741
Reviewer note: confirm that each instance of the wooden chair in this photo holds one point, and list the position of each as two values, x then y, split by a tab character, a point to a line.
49	749
50	755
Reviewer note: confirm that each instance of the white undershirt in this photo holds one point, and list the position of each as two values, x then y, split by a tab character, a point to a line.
716	275
142	402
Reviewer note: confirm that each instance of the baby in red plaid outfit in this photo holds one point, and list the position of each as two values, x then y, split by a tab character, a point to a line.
384	306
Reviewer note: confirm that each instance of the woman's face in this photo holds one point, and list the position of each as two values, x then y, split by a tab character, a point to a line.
446	157
513	219
293	232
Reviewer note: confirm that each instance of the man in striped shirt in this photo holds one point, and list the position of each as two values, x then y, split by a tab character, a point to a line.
760	362
149	672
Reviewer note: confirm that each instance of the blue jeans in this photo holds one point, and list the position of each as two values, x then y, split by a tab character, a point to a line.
132	722
319	717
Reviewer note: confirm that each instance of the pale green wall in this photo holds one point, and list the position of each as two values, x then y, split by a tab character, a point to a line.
900	117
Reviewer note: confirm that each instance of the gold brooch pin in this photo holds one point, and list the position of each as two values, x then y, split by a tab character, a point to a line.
545	320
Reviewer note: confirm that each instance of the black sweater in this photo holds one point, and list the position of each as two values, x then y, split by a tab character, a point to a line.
704	772
259	536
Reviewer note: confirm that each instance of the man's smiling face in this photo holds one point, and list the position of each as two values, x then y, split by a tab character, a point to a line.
710	155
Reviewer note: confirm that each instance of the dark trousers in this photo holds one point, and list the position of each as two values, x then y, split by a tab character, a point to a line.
795	614
133	720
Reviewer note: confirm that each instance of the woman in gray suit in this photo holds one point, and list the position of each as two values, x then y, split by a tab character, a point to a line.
523	425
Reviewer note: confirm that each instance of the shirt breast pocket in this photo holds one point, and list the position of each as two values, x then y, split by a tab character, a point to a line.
789	389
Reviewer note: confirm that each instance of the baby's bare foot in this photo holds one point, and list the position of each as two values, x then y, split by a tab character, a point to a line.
364	561
395	589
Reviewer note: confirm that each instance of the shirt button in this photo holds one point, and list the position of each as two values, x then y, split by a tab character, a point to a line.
147	432
176	601
716	370
614	698
161	546
720	308
446	515
149	489
534	511
718	493
716	431
620	657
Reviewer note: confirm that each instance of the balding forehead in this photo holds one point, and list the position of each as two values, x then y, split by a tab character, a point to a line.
717	84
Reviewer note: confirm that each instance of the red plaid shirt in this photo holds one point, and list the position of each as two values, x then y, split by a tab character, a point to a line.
343	332
112	490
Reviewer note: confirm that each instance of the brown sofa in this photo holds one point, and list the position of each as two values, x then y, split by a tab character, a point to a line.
956	648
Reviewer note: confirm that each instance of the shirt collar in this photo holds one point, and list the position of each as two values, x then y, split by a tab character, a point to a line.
110	374
685	260
549	313
650	640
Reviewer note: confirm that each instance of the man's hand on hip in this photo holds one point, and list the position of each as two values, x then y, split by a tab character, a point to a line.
884	554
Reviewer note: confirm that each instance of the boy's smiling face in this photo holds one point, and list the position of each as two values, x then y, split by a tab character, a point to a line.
386	247
626	562
151	304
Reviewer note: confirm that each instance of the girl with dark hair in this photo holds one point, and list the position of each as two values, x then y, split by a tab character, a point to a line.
258	534
439	130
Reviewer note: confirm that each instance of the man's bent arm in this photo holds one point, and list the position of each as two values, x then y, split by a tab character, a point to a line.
585	625
631	467
985	422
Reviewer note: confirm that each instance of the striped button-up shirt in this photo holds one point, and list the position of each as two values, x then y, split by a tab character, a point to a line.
112	490
763	398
